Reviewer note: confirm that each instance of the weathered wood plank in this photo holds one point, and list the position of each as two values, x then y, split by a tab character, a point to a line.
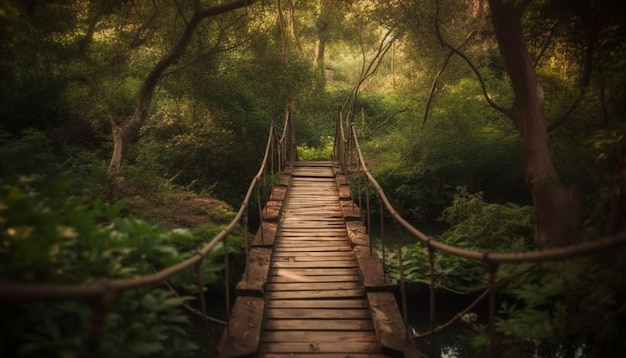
243	336
311	278
319	325
295	272
345	303
320	347
323	355
271	211
373	275
320	264
312	233
328	245
357	233
285	180
278	193
256	272
350	210
265	235
327	254
342	248
312	223
308	336
389	325
344	192
311	286
296	258
317	313
280	295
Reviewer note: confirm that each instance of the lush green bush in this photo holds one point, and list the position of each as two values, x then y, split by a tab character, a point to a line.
48	236
475	225
573	308
323	152
28	153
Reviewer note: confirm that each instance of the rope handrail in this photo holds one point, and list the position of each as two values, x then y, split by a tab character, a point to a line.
551	254
350	148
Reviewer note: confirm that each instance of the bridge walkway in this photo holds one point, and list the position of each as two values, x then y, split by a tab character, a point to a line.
324	293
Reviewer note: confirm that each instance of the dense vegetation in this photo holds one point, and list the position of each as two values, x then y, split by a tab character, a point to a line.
114	110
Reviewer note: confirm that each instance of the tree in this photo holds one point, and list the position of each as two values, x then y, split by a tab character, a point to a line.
557	208
127	129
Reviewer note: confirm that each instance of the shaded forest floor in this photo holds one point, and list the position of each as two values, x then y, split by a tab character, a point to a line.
173	208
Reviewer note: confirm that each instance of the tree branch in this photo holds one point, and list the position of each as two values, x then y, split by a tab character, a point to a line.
584	85
456	51
433	87
381	124
546	43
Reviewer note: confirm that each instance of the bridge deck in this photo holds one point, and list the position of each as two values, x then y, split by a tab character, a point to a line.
314	297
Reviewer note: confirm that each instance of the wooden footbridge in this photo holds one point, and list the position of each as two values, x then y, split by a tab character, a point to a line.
313	286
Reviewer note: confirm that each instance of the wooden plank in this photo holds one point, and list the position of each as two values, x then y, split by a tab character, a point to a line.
318	222
350	210
317	313
319	325
243	336
279	253
374	277
330	336
320	347
342	248
389	325
323	355
271	211
344	192
313	233
285	180
320	264
346	303
310	286
357	233
327	245
256	272
266	235
312	271
296	258
278	193
311	278
280	295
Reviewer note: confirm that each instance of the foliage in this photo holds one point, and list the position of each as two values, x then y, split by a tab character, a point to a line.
27	154
53	238
568	308
475	225
324	152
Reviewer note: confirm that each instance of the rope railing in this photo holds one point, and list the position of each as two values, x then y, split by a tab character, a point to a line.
348	152
98	294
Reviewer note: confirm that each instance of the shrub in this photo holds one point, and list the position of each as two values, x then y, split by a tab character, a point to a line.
50	237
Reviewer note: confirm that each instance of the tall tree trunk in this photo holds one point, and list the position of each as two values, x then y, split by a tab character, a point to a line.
322	30
557	208
281	26
320	47
293	27
128	131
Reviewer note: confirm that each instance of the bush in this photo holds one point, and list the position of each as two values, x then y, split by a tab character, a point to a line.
475	225
49	237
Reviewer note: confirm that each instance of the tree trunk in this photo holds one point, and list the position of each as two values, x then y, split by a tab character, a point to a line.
322	29
293	27
128	131
557	208
320	46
